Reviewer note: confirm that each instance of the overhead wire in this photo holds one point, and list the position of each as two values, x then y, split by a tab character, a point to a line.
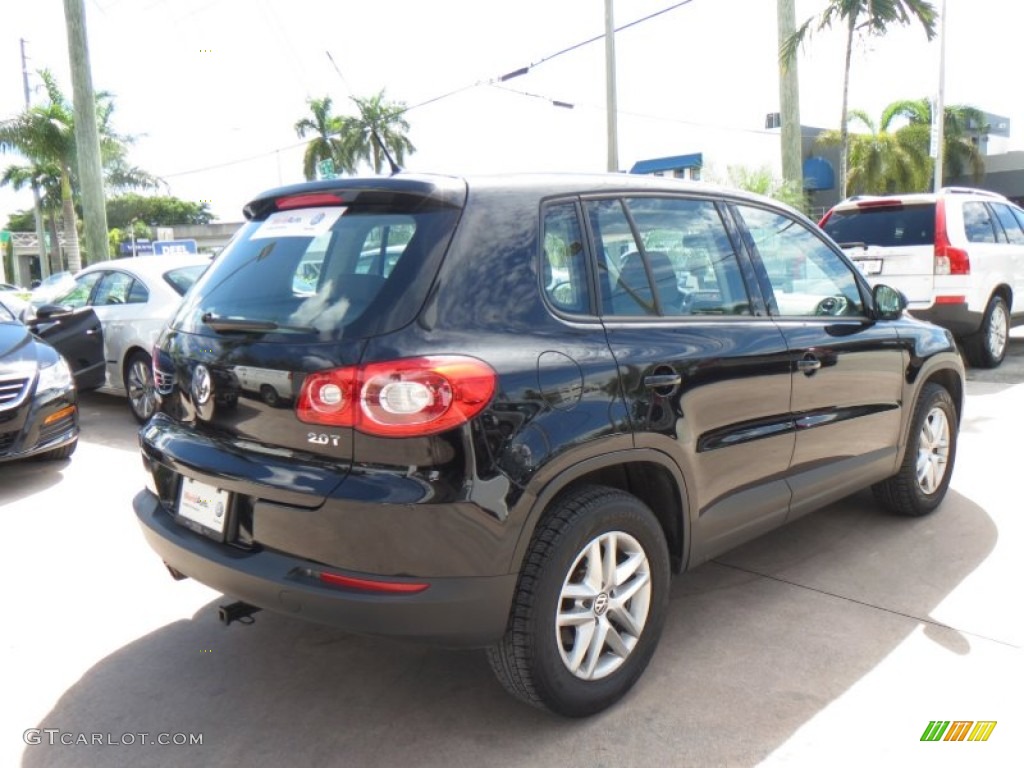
493	81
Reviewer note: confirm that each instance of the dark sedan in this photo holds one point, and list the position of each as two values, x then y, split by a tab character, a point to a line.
38	411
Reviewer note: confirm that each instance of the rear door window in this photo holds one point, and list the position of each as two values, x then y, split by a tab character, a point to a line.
114	288
666	256
1011	226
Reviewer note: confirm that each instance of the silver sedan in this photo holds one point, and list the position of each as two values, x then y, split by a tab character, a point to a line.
107	318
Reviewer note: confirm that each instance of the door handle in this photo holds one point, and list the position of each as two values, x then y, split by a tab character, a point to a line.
808	365
660	380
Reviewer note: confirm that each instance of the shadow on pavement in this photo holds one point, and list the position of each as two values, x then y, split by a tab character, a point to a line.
756	643
25	477
106	420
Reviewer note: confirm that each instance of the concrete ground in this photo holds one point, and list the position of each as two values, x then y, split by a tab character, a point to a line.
831	642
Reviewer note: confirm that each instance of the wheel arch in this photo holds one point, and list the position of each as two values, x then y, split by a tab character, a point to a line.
947	371
1004	291
129	352
647	474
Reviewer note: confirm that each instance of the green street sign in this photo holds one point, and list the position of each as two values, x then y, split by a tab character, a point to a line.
5	236
325	169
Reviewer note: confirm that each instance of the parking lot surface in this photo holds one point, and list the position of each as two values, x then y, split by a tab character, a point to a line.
835	640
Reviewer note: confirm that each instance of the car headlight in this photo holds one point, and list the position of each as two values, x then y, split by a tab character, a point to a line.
55	377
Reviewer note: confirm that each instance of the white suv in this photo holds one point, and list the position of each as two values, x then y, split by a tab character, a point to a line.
958	256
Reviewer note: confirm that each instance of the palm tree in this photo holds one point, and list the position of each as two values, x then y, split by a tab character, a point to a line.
869	17
380	129
959	152
46	134
327	142
47	180
883	161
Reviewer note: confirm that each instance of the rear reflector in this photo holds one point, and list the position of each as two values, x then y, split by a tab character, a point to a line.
369	585
950	299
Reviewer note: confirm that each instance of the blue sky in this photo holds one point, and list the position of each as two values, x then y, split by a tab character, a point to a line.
213	87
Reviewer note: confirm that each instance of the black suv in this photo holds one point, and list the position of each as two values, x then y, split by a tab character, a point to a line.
498	412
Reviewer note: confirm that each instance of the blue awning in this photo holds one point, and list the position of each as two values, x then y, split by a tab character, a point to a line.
818	174
675	163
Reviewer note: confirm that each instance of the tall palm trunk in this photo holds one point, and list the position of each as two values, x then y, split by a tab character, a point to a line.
56	263
70	224
844	131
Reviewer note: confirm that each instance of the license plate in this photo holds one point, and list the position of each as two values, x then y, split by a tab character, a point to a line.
869	266
204	505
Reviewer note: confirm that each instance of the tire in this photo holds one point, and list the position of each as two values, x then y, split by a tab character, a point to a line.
535	660
921	482
64	452
138	384
987	347
269	395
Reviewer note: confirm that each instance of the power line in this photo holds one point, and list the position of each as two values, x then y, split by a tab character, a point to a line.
494	81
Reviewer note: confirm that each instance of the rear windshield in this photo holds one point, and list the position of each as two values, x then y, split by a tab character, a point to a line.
887	226
328	272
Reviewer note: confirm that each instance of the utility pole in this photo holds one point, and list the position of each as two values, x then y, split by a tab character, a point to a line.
939	110
612	105
789	100
44	259
87	140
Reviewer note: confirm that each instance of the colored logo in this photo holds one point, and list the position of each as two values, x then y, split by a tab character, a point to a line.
958	730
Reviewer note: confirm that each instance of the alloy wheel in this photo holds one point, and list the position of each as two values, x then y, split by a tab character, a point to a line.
603	605
932	451
141	394
997	331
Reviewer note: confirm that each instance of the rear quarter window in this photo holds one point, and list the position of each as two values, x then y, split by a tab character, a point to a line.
182	278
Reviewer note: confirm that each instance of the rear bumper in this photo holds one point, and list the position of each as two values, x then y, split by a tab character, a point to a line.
958	318
461	612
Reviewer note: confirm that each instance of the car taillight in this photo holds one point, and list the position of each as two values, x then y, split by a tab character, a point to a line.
948	260
400	398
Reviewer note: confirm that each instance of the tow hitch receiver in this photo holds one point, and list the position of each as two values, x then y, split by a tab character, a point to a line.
239	611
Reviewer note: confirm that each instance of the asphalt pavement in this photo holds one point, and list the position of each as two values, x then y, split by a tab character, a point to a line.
833	641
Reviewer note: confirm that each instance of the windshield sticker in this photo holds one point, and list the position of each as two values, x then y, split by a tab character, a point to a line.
307	222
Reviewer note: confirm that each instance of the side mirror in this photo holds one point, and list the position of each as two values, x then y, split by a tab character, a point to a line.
51	311
889	303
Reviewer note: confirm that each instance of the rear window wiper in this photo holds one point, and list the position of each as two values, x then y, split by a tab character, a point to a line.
219	323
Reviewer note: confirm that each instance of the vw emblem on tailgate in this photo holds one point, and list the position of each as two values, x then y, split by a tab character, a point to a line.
201	385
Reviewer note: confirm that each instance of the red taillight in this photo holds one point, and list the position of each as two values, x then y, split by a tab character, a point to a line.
311	200
401	398
369	585
948	260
